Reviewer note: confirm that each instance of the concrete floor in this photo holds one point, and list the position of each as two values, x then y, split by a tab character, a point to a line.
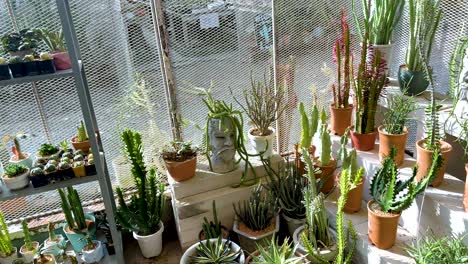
171	253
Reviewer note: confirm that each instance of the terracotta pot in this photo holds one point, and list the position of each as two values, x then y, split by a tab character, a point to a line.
354	200
363	142
465	195
340	119
84	146
382	227
424	161
386	141
181	171
61	60
328	172
301	166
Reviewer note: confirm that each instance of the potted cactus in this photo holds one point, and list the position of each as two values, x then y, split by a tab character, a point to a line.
38	177
7	252
90	168
17	67
213	229
285	253
325	162
93	251
263	106
4	70
79	168
256	219
341	110
78	224
16	176
392	195
55	41
143	220
46	151
215	250
18	157
81	140
30	248
180	159
46	63
309	125
55	242
65	170
50	171
44	256
31	66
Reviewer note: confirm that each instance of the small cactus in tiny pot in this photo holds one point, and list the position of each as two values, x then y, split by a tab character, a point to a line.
78	164
45	56
40	161
64	165
3	61
67	155
49	168
28	58
79	152
54	157
78	157
37	171
53	162
65	159
15	60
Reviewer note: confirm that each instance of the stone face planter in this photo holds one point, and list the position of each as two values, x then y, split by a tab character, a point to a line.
340	119
465	195
18	182
29	255
78	240
386	141
327	175
222	146
413	82
28	162
95	255
292	223
382	227
249	239
262	143
151	246
9	259
181	171
328	254
424	161
363	142
191	251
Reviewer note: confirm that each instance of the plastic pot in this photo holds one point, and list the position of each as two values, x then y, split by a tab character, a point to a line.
4	72
191	251
151	245
382	227
18	182
94	255
18	70
29	255
28	162
262	143
39	180
411	82
55	246
79	171
53	177
292	223
90	169
32	68
363	142
340	119
328	254
181	171
62	60
9	259
249	239
386	141
465	194
84	146
424	161
78	240
46	66
327	175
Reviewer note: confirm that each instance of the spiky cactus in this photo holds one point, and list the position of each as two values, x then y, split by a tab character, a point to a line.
72	208
218	251
342	57
82	135
212	229
309	125
325	141
27	236
6	248
51	229
395	195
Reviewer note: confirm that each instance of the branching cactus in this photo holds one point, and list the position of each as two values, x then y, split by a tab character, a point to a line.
309	125
325	141
342	58
394	195
355	172
72	208
82	135
51	229
27	236
6	248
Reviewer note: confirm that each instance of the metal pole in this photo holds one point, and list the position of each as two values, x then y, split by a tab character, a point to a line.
91	124
162	38
12	16
40	108
275	72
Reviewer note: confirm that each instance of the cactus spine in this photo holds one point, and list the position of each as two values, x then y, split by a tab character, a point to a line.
27	236
82	135
6	248
325	141
71	206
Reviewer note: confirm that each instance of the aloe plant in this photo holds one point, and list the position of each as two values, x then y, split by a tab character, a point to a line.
82	135
273	253
217	252
309	125
212	229
6	248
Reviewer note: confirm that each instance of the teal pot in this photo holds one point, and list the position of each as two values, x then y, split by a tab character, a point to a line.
413	81
78	240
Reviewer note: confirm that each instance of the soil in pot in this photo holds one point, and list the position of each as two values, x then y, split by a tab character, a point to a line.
84	146
328	253
4	72
39	180
46	259
424	161
411	82
363	142
17	182
90	169
93	255
327	176
79	171
292	223
382	227
386	141
465	195
28	162
18	70
181	171
340	119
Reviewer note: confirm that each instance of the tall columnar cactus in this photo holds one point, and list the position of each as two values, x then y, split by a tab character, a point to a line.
309	125
6	248
395	195
51	229
325	141
82	135
342	57
72	208
27	236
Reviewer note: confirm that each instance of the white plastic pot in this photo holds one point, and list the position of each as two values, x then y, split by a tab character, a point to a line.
95	255
55	246
387	53
293	224
9	259
151	246
29	255
28	162
249	242
18	182
192	249
328	254
262	143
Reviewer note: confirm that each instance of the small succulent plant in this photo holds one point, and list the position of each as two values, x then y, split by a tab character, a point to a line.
78	164
67	155
277	254
15	60
54	157
90	161
3	61
79	152
14	170
219	252
47	149
45	56
81	133
37	171
53	162
78	157
41	161
28	58
49	168
65	159
64	166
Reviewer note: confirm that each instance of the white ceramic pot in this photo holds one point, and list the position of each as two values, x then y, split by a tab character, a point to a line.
387	54
328	254
293	224
9	259
95	255
151	246
249	242
192	249
29	255
262	143
54	247
18	182
28	162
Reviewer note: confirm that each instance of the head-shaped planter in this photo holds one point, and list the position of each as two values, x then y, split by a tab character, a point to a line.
222	146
